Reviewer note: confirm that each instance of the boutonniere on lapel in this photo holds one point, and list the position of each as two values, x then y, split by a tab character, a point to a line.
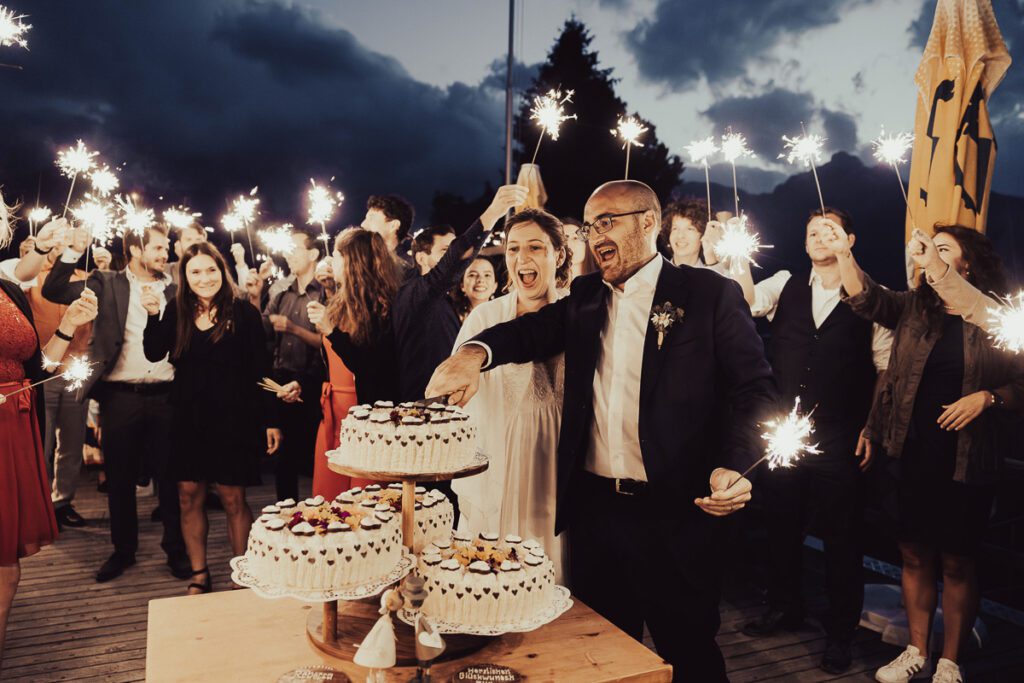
663	317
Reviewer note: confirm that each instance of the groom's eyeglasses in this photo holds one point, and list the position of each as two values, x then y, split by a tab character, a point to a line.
603	224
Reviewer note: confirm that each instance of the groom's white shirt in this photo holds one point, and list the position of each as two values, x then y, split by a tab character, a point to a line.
614	449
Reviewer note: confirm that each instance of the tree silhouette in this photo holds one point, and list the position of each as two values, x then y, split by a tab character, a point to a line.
586	154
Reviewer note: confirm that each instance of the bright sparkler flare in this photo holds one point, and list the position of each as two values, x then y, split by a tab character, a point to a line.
1006	324
788	438
278	240
629	130
103	181
549	111
134	218
39	214
803	148
892	149
245	207
738	244
701	150
75	160
232	222
734	146
96	217
12	28
78	370
180	218
322	203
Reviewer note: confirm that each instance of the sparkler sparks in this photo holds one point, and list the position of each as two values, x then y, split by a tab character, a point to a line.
232	223
788	438
12	28
77	372
738	244
180	218
734	146
892	149
1006	324
36	216
74	160
97	218
278	240
700	150
629	130
549	113
134	218
805	149
322	203
103	181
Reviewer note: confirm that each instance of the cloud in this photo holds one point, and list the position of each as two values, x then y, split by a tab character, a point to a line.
686	40
764	119
206	97
840	130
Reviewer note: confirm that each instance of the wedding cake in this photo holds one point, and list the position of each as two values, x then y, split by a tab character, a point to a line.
484	582
433	514
409	438
319	545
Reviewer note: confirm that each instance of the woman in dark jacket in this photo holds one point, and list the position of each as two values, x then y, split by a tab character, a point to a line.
222	421
942	410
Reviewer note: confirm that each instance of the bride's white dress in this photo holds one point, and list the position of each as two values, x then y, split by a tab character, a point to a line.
517	412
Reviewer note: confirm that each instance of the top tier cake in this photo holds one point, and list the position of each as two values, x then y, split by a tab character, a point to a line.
407	439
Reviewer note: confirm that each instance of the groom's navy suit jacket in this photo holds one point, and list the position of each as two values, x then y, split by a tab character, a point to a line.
702	395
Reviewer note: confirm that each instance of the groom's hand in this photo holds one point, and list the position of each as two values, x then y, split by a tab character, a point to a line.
729	492
459	376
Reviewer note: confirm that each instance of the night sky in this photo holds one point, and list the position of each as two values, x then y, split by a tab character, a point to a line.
202	99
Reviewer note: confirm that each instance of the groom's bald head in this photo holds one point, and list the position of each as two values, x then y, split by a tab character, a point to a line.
631	215
631	194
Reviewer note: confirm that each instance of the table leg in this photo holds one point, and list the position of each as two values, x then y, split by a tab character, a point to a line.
331	622
408	513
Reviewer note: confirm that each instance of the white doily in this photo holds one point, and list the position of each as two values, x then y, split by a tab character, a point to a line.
337	457
242	576
558	606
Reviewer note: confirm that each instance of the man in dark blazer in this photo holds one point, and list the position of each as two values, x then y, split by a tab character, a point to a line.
133	393
665	384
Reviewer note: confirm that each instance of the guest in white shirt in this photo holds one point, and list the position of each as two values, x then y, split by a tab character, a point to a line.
133	392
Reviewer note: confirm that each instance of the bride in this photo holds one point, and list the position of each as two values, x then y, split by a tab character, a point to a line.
518	408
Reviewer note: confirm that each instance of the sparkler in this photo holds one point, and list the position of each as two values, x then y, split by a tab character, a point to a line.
805	149
71	162
892	150
103	181
37	216
12	28
278	240
180	217
699	151
245	209
322	203
77	371
738	244
787	439
549	112
97	218
629	130
734	146
134	218
1006	324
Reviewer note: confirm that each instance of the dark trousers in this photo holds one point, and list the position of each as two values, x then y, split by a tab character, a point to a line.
822	493
299	423
136	439
644	559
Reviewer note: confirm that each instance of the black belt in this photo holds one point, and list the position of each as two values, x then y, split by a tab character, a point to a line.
144	388
622	487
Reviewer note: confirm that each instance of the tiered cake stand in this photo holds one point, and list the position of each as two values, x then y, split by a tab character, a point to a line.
339	638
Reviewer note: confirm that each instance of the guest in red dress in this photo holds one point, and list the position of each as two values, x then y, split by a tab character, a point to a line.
27	522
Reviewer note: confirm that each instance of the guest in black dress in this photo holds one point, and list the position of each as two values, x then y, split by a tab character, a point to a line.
943	410
222	422
357	320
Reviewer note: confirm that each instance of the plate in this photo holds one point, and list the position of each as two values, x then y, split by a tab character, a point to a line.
243	577
558	606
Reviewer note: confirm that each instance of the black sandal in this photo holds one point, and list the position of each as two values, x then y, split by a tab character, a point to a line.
204	587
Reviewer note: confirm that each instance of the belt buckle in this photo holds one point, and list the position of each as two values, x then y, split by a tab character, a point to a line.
620	490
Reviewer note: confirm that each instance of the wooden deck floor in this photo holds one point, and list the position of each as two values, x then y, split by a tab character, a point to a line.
66	627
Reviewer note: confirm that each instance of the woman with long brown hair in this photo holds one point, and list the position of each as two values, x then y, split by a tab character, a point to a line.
357	319
943	411
222	422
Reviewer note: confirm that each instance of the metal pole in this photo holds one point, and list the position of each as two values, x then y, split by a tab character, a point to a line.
508	93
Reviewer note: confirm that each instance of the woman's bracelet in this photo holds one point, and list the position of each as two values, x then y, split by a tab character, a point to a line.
60	335
39	251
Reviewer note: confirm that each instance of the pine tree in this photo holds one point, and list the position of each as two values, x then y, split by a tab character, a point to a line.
586	154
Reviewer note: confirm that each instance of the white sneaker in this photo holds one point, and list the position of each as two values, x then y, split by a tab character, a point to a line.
908	666
947	672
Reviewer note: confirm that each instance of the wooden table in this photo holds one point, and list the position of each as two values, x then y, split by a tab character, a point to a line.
238	636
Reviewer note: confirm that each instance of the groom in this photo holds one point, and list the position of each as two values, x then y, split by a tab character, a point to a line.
653	413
